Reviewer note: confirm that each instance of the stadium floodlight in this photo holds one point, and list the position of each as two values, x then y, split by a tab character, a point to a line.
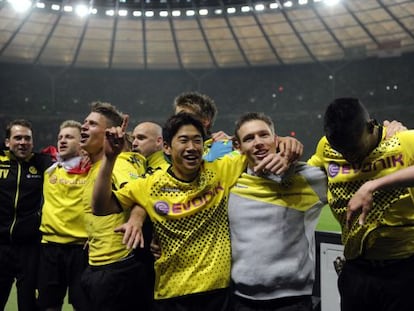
218	11
303	2
231	10
273	5
164	13
190	13
149	13
259	7
40	5
137	13
20	5
176	13
203	12
55	7
110	12
68	8
81	10
288	4
245	8
331	2
122	12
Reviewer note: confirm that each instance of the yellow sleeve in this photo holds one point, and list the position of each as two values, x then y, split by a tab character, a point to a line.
317	159
407	144
128	167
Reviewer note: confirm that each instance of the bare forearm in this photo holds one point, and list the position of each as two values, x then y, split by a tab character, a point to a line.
362	200
401	178
132	229
102	201
137	215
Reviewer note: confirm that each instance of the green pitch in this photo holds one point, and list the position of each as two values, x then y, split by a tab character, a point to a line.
327	221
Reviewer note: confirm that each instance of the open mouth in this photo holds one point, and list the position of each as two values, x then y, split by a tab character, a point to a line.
22	150
191	159
261	154
84	137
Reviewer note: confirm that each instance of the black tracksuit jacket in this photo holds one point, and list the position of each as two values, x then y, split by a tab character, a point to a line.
21	197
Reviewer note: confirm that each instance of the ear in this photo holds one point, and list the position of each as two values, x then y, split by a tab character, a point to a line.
7	142
236	144
159	141
371	125
166	149
206	123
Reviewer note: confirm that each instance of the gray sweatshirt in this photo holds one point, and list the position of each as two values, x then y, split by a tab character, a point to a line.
272	228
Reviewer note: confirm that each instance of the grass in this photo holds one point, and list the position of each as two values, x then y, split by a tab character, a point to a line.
327	221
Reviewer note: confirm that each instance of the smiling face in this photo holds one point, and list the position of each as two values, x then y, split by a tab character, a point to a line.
20	142
186	151
256	141
68	142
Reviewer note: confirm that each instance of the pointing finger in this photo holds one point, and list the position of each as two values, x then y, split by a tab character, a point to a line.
125	121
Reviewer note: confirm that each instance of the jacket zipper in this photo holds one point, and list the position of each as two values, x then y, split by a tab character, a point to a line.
16	198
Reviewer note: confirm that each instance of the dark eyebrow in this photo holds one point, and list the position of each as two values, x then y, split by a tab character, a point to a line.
190	137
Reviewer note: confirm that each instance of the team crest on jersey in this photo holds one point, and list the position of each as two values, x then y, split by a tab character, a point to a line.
32	170
53	179
33	173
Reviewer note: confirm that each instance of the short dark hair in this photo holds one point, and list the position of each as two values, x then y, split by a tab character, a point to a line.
203	106
175	122
250	116
109	111
345	119
21	122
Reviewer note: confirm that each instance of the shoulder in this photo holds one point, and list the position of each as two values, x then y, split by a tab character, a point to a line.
42	160
409	134
309	171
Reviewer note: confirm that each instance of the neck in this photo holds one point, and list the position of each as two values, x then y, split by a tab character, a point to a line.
95	157
376	137
182	177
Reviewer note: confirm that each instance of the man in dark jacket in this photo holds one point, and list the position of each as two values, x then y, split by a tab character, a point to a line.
21	181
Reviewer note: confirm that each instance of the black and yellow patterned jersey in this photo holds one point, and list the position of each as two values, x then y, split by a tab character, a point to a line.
62	211
190	221
388	232
105	245
155	161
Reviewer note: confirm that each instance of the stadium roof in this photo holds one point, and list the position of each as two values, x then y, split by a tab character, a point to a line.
197	34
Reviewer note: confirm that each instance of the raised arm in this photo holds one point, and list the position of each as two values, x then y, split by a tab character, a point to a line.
290	147
362	200
273	163
103	203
